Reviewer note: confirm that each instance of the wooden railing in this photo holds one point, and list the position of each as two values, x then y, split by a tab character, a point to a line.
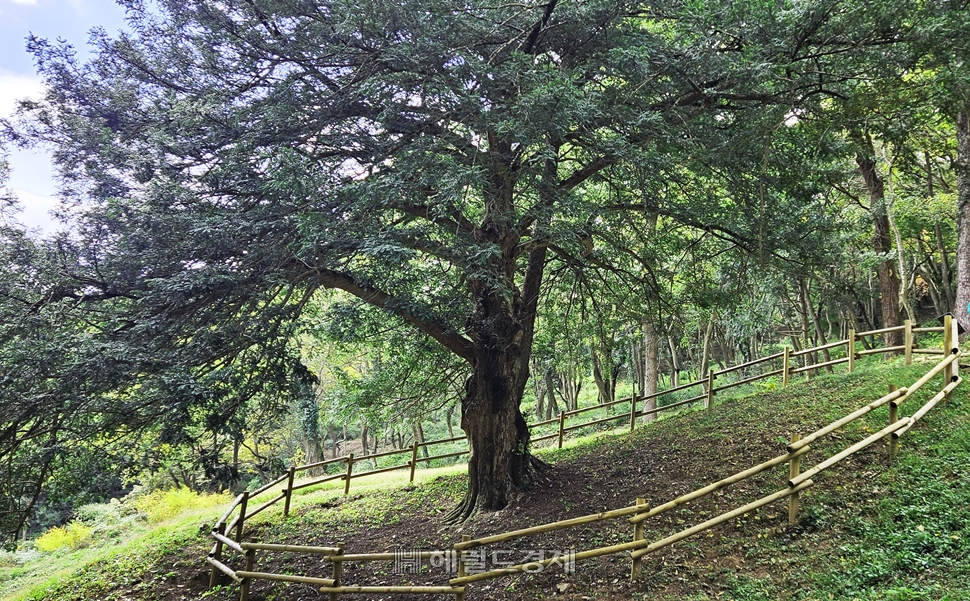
637	514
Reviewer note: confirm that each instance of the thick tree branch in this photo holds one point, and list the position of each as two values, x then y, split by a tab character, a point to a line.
438	330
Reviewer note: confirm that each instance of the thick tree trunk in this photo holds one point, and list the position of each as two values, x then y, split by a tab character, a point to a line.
889	282
501	328
963	217
498	436
651	353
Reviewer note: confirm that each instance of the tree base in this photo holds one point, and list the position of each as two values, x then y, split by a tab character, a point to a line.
475	502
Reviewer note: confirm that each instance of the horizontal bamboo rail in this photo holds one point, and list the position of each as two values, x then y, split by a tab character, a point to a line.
631	546
798	370
268	485
383	454
308	466
597	406
363	557
546	437
286	578
885	349
724	517
623	416
673	405
553	526
927	351
377	471
318	481
227	541
892	396
816	349
443	456
933	329
265	505
674	389
290	548
442	441
716	486
377	590
767	374
794	482
544	423
232	507
223	568
926	378
928	406
882	331
728	370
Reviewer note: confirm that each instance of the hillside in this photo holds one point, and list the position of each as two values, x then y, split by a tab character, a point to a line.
869	529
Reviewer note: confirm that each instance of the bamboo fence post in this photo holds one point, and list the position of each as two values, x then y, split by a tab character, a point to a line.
414	459
947	349
851	349
214	577
893	418
950	340
908	340
350	471
633	411
955	336
562	426
637	535
289	490
337	567
710	390
244	585
242	516
794	467
786	366
461	563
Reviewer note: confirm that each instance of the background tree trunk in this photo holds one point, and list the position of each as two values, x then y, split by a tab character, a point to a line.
889	282
963	217
651	352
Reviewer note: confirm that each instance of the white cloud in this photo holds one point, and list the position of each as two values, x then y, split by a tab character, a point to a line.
13	87
35	212
27	2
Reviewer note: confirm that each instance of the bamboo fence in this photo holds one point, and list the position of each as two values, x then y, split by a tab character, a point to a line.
636	514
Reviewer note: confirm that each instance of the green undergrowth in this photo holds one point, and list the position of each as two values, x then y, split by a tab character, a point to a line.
873	529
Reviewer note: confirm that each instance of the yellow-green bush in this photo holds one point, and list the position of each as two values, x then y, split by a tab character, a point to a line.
73	536
163	504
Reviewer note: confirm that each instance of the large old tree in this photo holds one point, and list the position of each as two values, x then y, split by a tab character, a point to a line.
429	158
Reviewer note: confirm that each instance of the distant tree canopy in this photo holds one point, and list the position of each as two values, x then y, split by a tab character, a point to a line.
433	159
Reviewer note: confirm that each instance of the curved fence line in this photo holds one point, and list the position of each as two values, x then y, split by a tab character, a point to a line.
638	512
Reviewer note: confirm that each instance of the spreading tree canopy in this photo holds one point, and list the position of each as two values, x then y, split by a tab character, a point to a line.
431	158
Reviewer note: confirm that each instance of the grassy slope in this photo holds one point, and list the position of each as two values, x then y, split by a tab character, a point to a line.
869	530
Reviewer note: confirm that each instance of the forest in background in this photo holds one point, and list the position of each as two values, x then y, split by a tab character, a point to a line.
289	227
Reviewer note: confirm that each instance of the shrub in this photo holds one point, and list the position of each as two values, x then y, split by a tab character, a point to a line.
73	536
164	504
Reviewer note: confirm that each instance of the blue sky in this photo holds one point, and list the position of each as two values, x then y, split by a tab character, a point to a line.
32	179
